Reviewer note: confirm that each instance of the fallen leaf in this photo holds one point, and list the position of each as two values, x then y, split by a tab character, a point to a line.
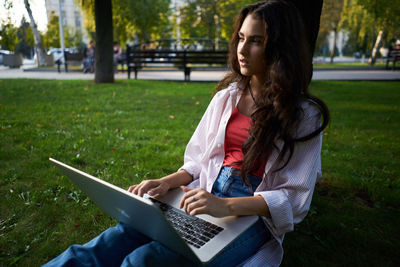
39	125
77	225
197	102
171	117
112	148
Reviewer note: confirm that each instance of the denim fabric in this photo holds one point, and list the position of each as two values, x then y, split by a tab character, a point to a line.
124	246
229	184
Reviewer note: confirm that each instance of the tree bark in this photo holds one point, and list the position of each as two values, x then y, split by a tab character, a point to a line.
104	62
38	42
376	47
334	44
310	11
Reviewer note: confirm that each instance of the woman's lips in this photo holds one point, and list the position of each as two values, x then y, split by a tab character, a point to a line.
243	62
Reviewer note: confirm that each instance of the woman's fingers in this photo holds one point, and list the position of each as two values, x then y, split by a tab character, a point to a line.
197	207
146	186
199	201
185	200
161	189
196	201
131	188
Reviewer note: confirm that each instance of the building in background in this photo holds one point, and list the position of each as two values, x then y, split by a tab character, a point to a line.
72	16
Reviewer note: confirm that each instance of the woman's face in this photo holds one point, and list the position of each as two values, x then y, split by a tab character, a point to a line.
250	50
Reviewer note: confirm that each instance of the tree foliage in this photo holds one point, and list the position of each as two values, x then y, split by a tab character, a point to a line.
134	19
210	18
330	19
359	24
363	19
26	40
72	38
9	36
385	14
145	20
8	32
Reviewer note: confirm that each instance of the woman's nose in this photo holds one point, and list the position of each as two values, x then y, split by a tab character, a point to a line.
243	48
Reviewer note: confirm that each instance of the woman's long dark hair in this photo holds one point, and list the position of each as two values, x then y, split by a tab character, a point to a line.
288	73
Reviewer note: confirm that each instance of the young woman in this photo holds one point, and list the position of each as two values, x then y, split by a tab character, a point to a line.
256	151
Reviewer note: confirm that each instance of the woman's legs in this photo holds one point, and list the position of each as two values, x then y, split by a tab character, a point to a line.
108	249
155	254
243	247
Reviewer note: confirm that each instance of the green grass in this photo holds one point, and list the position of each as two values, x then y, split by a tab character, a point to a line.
131	130
349	65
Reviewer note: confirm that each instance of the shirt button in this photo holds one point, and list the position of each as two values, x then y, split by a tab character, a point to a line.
218	165
219	145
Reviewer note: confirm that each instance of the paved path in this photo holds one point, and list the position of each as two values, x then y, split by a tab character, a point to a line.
197	75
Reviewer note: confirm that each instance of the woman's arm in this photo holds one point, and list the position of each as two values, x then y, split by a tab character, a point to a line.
199	201
254	205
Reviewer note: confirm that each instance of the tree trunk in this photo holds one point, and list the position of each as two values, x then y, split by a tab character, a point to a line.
38	42
104	61
334	44
310	11
376	47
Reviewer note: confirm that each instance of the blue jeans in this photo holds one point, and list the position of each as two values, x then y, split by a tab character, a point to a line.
124	246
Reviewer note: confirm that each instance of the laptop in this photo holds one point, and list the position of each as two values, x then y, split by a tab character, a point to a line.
199	238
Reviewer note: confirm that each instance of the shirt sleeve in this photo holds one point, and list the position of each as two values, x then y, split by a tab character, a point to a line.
290	190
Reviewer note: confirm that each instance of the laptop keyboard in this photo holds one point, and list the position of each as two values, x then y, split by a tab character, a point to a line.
195	231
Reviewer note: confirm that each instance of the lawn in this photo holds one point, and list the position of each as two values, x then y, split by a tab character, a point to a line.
134	130
349	65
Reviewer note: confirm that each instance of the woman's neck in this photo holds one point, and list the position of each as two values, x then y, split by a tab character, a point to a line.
256	85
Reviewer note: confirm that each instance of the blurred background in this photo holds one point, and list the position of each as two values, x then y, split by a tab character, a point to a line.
350	31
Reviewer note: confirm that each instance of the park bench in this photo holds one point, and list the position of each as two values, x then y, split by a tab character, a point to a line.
70	58
393	56
184	60
121	60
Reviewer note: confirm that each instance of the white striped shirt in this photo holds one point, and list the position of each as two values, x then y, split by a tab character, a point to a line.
287	192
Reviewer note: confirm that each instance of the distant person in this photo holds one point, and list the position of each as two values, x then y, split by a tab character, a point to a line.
117	55
256	151
88	58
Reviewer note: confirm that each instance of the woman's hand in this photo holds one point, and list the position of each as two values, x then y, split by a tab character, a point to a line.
152	187
199	201
159	187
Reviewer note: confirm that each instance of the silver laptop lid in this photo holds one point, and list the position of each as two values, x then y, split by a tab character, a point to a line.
140	213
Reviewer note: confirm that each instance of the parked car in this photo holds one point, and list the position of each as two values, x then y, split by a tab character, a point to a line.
3	52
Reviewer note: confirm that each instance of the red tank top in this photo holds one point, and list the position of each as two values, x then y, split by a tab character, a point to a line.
237	131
